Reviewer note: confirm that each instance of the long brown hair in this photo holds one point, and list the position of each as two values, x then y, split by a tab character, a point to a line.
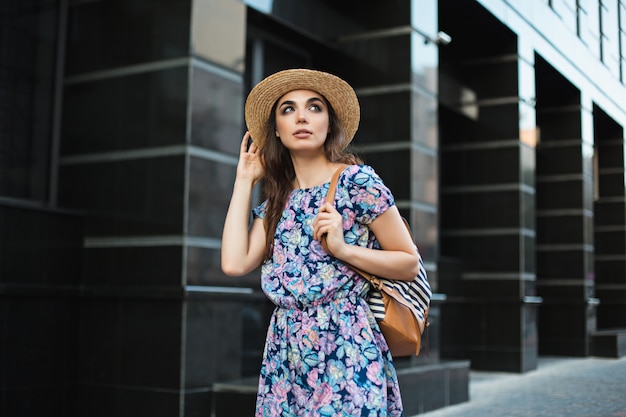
280	174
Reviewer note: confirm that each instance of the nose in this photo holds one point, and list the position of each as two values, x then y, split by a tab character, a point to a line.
301	116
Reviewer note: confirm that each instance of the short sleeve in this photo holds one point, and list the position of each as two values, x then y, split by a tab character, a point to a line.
368	196
259	211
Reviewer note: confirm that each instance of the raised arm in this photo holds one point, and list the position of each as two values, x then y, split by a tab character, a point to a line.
243	247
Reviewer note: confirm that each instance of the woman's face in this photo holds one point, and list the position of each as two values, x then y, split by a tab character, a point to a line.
302	120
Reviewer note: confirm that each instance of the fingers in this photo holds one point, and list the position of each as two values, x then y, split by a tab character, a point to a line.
244	145
317	225
321	231
253	148
326	208
327	220
321	217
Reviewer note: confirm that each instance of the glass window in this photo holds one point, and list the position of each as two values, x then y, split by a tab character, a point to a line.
609	20
566	9
329	19
589	22
210	189
385	117
28	41
622	29
143	196
218	32
216	110
115	33
121	113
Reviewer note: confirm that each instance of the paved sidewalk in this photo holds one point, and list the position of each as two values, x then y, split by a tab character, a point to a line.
560	387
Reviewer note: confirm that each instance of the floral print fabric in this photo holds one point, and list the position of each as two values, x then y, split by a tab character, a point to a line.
324	353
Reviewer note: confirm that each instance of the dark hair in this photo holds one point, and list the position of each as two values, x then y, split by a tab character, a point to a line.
279	171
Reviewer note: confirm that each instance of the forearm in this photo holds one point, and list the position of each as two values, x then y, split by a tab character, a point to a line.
384	263
237	257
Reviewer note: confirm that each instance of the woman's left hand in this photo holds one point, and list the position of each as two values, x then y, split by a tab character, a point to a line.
330	223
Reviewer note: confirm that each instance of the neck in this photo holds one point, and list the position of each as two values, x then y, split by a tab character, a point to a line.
311	173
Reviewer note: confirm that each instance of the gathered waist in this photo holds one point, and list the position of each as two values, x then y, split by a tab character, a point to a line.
323	314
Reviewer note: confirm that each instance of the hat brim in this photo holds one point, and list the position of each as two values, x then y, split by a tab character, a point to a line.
264	95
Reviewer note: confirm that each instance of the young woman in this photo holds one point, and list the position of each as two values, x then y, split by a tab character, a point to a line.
324	353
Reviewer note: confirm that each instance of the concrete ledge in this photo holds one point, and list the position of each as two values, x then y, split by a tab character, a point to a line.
234	398
433	386
609	343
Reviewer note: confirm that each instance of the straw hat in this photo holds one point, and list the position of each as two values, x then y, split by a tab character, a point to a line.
264	95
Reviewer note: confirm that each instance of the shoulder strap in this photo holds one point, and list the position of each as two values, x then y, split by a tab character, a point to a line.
330	198
332	189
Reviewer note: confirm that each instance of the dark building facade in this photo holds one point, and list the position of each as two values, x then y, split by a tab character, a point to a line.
498	125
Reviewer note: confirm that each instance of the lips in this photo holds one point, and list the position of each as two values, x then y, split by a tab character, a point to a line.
301	133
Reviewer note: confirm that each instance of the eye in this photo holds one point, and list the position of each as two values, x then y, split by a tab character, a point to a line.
315	107
286	109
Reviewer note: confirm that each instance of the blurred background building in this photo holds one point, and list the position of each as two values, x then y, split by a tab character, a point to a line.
498	125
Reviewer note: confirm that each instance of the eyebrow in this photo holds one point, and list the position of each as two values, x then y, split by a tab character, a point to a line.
309	101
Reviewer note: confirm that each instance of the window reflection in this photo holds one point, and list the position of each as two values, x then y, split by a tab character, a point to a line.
216	110
218	32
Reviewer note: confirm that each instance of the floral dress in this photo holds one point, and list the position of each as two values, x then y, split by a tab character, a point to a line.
324	354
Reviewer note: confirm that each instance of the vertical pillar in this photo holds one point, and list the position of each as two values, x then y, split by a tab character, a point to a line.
564	215
610	221
151	115
423	202
487	195
424	134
